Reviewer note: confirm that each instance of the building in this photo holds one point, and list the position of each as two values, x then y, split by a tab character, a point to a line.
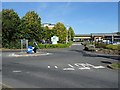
49	25
82	37
113	37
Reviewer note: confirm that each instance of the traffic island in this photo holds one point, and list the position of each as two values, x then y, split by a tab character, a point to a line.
5	87
114	66
24	54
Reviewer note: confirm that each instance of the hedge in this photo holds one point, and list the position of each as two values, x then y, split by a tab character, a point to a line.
100	45
17	45
112	47
46	46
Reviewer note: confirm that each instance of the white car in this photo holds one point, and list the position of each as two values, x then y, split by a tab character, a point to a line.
116	43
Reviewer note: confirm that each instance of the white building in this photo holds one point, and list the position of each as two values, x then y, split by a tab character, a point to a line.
49	25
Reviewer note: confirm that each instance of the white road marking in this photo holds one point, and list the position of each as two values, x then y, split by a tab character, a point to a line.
82	68
76	44
98	67
56	66
23	55
68	69
87	66
70	65
48	66
95	66
28	72
17	71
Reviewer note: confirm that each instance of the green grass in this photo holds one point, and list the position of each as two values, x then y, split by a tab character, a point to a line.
112	47
115	65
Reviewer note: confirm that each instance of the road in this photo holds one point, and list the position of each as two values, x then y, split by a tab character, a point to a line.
63	68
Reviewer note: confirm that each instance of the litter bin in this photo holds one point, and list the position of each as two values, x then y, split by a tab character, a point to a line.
30	49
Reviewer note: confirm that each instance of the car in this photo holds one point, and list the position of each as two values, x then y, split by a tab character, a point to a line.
116	43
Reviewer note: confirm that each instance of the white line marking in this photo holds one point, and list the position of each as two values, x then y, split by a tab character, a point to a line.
17	71
95	66
68	69
98	67
70	65
48	66
82	68
76	64
87	64
28	72
56	66
23	55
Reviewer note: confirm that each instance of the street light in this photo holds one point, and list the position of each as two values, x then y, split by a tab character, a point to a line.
68	33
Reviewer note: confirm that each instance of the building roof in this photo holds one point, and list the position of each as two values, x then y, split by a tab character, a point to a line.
98	34
83	35
103	34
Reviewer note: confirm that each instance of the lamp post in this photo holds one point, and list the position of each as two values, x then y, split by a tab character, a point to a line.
67	34
67	37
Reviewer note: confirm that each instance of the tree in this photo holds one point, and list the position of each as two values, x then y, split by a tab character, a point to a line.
71	34
0	22
30	27
10	23
48	33
61	32
118	33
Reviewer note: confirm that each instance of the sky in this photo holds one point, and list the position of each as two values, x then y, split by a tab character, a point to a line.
83	17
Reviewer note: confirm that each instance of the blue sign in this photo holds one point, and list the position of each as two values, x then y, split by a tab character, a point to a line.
29	49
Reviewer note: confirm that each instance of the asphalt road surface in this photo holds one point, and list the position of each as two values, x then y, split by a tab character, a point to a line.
63	68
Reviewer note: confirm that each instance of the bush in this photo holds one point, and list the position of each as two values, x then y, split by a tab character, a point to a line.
119	47
12	45
17	45
100	45
112	47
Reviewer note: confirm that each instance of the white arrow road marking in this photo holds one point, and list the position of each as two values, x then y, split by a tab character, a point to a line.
98	67
70	65
15	71
68	69
82	68
95	66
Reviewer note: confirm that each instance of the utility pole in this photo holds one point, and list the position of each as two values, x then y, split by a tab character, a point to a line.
70	35
67	27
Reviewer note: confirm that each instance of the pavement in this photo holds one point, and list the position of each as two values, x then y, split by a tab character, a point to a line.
63	68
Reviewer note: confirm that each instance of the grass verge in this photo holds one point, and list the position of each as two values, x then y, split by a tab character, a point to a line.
115	66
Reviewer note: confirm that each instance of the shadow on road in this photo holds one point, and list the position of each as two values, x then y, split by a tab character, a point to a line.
84	53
